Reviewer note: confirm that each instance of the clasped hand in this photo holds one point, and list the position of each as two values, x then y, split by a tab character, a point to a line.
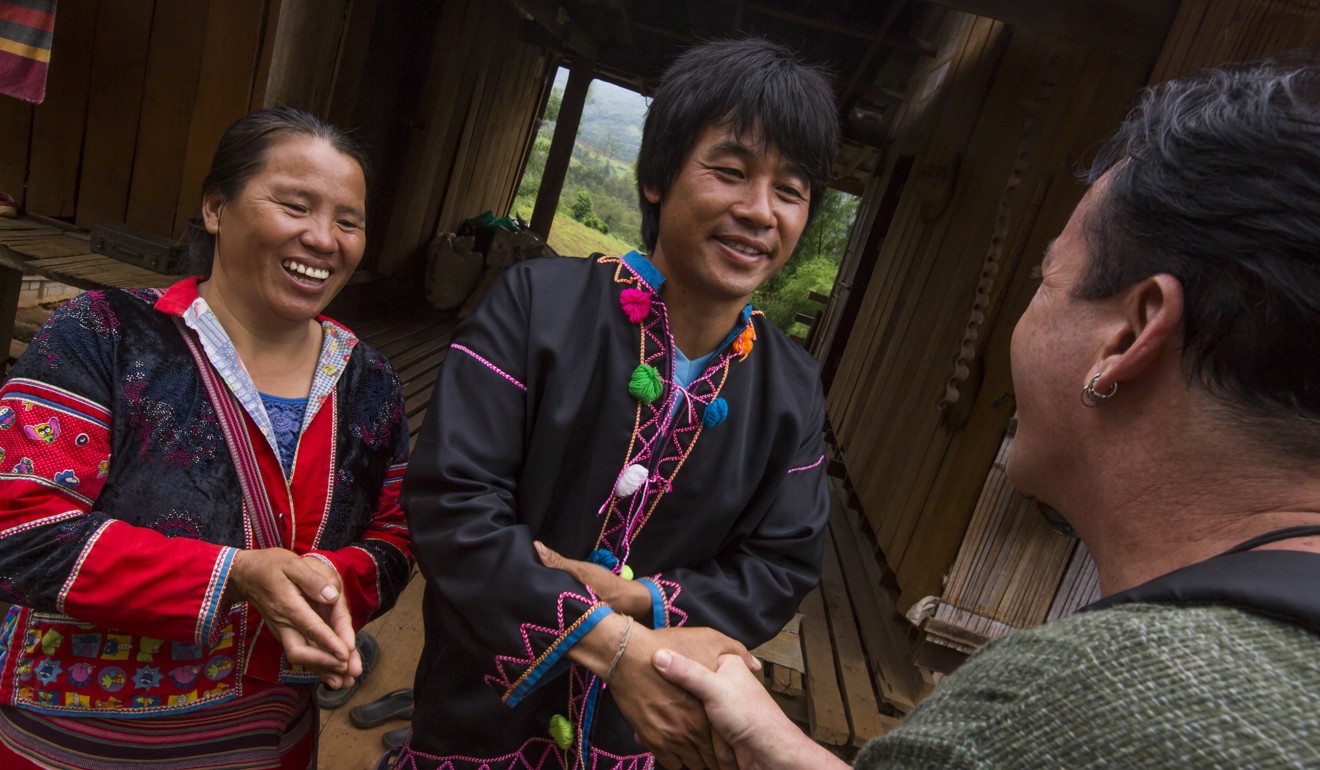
301	599
668	721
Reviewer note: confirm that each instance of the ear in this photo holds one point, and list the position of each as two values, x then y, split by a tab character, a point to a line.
1151	315
652	195
212	203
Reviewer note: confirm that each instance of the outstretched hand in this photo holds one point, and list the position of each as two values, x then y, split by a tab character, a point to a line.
668	721
301	600
753	733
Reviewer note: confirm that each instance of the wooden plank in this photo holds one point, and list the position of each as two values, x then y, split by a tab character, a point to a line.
119	65
229	59
174	60
17	115
884	632
57	124
784	650
825	710
430	146
854	676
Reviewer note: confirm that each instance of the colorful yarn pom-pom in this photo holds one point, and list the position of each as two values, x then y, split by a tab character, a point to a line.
604	558
626	573
645	384
636	304
715	413
743	345
561	730
634	476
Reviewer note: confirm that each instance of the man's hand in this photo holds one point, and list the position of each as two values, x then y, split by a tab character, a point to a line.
744	716
302	601
622	596
667	720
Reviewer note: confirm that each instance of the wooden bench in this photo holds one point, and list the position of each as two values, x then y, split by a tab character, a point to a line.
853	679
64	254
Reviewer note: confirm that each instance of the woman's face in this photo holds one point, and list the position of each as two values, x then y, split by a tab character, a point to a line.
290	239
1055	345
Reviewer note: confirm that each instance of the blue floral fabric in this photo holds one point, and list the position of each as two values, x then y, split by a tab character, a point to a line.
286	417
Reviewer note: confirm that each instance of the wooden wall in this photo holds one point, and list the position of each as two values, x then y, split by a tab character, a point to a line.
137	94
443	94
471	128
999	124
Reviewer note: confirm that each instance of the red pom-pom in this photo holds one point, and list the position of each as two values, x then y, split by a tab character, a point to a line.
636	304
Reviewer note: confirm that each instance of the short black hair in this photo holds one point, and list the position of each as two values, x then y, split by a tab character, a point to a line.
1215	180
757	87
241	154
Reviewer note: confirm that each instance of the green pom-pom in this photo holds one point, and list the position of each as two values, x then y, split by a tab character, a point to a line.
626	573
645	385
562	731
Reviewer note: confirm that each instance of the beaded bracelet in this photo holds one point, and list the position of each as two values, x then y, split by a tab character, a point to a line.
618	654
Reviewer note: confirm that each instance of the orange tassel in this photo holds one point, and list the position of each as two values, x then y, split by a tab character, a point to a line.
743	345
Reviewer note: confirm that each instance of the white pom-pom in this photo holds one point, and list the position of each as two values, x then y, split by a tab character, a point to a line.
634	476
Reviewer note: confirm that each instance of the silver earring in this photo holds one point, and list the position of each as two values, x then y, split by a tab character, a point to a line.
1092	398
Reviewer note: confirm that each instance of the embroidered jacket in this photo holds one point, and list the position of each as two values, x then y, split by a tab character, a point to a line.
556	417
121	507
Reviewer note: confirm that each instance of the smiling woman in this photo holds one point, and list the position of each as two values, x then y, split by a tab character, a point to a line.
278	441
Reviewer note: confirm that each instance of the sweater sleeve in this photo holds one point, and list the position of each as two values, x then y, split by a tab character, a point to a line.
461	499
58	553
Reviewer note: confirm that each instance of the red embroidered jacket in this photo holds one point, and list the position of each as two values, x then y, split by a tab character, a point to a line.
121	508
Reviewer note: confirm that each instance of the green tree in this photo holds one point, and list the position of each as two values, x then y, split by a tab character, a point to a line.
582	207
813	267
552	106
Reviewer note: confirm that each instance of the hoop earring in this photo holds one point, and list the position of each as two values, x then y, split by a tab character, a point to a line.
1091	398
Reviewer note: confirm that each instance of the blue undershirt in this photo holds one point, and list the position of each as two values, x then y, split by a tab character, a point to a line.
286	417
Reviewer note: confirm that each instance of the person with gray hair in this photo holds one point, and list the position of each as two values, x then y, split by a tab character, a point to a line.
1169	406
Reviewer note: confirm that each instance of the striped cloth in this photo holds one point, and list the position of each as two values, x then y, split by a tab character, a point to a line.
26	28
270	728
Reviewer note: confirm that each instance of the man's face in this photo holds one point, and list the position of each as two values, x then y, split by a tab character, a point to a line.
1055	345
731	218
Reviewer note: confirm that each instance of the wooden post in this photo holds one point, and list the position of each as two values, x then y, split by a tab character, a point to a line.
561	148
11	283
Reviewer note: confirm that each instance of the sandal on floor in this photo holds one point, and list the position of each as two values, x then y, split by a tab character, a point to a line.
369	649
395	705
396	738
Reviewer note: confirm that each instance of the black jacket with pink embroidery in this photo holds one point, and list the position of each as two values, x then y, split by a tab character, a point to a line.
531	428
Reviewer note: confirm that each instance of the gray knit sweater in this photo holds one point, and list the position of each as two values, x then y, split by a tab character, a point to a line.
1134	686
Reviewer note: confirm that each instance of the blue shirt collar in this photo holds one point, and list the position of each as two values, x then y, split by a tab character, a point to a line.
642	266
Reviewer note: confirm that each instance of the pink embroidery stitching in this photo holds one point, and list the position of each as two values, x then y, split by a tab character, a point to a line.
808	467
489	366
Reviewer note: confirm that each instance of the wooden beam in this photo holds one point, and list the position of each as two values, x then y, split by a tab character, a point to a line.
555	18
561	147
841	28
1133	29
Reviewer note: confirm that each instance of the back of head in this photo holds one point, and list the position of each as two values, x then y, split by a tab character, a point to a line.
1216	180
761	89
242	152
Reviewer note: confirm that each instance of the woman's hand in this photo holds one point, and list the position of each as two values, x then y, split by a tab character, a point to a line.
302	601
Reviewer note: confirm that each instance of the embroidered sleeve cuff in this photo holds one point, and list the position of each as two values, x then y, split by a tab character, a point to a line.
659	612
553	660
215	610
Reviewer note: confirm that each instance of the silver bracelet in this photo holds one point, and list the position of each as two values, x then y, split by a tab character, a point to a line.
618	654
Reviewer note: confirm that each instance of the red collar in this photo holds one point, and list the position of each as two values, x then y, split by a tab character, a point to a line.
179	297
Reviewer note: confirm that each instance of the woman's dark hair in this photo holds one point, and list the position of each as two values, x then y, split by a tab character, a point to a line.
242	153
755	86
1216	181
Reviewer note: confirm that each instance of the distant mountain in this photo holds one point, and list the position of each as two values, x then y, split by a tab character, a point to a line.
611	120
